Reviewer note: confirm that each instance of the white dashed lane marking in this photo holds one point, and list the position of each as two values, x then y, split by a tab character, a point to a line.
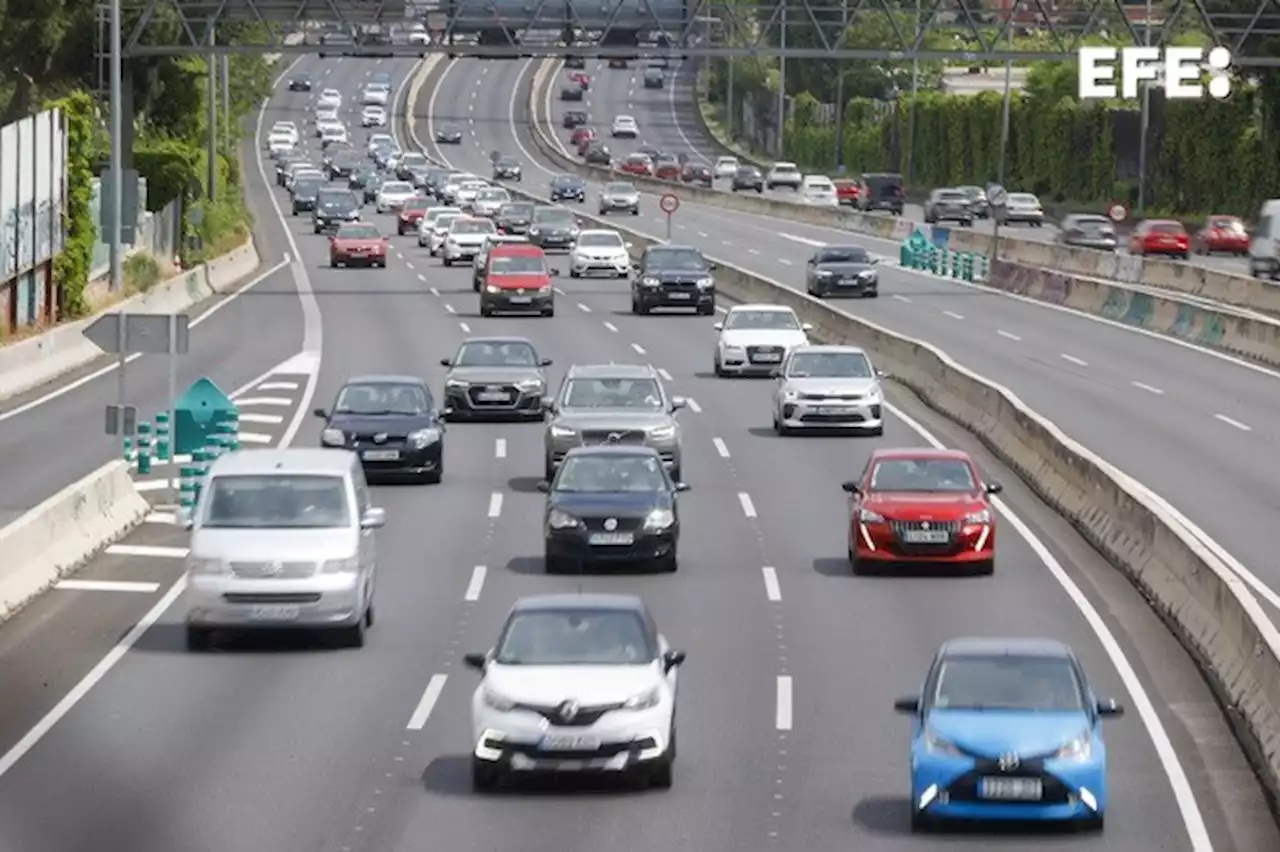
721	448
1148	388
477	583
500	448
430	696
748	507
1243	427
953	315
611	327
1074	360
1008	335
772	590
495	504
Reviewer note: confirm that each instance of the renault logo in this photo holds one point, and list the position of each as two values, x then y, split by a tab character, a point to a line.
611	524
380	438
1008	762
569	711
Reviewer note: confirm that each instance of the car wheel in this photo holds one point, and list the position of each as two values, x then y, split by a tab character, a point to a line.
369	616
446	261
573	273
707	310
718	368
640	308
856	565
475	286
920	822
486	310
985	568
199	638
485	776
871	294
779	427
669	564
759	191
548	312
661	774
552	564
353	636
635	212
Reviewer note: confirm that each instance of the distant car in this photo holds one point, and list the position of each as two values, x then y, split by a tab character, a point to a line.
667	168
411	213
948	205
617	62
391	423
571	92
495	377
1005	730
726	167
514	218
899	489
581	135
747	178
508	168
449	135
637	164
819	191
568	188
573	118
334	208
1161	237
846	191
600	252
673	276
842	271
300	83
784	175
598	155
410	161
553	228
466	236
653	78
978	201
1222	235
828	387
881	191
518	280
625	127
393	195
434	227
375	95
575	62
489	201
699	174
305	192
754	339
1087	230
358	244
329	98
1020	207
619	198
373	116
580	79
480	263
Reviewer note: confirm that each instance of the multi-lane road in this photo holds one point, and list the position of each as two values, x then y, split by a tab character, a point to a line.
788	736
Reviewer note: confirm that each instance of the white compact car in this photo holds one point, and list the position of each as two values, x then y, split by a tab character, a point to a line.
329	99
468	191
373	116
277	142
489	201
453	183
379	140
466	237
419	36
828	387
375	96
625	127
334	133
576	683
784	174
437	229
600	252
725	167
755	339
286	128
393	195
819	191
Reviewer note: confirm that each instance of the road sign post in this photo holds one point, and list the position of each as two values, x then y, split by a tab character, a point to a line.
1117	213
124	335
669	204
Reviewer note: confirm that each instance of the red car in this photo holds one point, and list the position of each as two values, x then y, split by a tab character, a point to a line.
358	244
582	79
1225	234
517	279
1160	236
697	174
411	214
668	169
638	164
581	136
846	192
921	507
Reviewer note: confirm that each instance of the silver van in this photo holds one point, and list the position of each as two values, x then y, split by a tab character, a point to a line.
1264	246
283	539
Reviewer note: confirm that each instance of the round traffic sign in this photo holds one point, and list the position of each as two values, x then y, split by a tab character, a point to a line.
1117	212
669	204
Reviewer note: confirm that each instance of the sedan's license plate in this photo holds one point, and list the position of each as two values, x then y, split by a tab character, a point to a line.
520	300
611	538
678	295
832	409
493	396
569	742
1012	789
277	612
381	455
926	536
767	358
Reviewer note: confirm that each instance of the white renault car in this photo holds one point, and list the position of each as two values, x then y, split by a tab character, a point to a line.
625	127
329	99
393	195
600	252
576	683
468	191
819	191
755	339
376	94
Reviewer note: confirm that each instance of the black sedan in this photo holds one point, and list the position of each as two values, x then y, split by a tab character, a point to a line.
598	155
573	118
611	504
514	218
507	168
568	188
571	93
391	423
495	377
842	271
300	83
449	135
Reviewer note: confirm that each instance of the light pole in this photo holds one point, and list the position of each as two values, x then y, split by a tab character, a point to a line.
116	170
1144	121
782	79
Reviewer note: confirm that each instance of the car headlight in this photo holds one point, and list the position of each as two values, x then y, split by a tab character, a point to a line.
659	519
350	565
982	517
562	431
333	438
534	231
650	282
1081	748
706	283
497	700
867	516
528	385
935	744
559	520
644	700
662	433
206	567
423	438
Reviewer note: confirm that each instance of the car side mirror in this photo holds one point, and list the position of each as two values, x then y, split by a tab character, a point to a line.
678	402
850	487
682	486
545	362
555	273
881	374
875	261
907	706
544	486
629	245
321	413
807	326
475	661
718	326
994	488
671	659
374	517
1110	707
446	362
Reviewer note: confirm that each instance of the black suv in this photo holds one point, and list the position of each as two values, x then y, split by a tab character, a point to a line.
304	195
334	208
670	276
881	192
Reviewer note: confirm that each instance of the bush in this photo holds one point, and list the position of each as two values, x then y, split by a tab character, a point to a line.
71	266
141	273
171	168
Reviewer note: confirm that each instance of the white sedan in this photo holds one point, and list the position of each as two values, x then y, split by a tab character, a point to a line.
393	195
755	339
726	167
285	128
466	237
489	201
379	140
435	229
624	126
600	252
278	142
373	116
375	96
467	191
329	99
819	191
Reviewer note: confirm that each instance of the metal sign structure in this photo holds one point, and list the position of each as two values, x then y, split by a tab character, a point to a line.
797	29
124	335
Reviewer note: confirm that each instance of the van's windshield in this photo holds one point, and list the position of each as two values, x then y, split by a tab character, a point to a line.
277	501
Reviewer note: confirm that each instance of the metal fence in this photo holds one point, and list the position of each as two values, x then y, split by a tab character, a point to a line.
158	233
33	192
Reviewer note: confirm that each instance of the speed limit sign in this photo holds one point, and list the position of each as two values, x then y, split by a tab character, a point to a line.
669	204
1117	213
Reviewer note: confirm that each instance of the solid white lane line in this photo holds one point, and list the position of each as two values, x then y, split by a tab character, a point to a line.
693	405
784	261
430	696
1074	360
495	504
1148	388
1243	427
584	308
720	447
500	448
270	419
276	401
477	583
639	349
146	550
1006	334
107	586
953	315
255	438
783	721
161	518
748	508
611	327
666	377
772	590
266	386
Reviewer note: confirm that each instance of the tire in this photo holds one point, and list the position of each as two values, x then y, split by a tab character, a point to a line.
856	566
573	273
446	261
369	615
669	564
635	212
485	777
639	308
985	568
553	566
199	638
549	312
874	294
661	774
920	823
548	470
475	285
707	310
486	310
353	636
719	370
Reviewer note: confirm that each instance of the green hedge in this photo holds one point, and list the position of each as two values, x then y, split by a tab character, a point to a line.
170	166
72	265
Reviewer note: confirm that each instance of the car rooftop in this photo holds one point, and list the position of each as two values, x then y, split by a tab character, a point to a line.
497	340
625	603
671	247
613	450
918	453
761	306
611	371
993	647
301	461
383	379
844	348
516	249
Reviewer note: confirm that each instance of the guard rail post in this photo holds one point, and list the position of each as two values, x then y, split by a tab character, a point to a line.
967	270
199	467
144	448
187	490
164	446
127	447
231	423
983	268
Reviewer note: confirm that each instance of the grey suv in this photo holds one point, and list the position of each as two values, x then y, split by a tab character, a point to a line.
613	404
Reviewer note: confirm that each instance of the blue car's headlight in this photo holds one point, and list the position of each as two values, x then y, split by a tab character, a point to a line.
1081	748
935	744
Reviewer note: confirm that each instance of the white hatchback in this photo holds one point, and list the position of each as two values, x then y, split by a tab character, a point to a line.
819	191
601	252
329	98
624	126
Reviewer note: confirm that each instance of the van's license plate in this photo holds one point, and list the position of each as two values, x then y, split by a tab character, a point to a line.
1012	789
277	612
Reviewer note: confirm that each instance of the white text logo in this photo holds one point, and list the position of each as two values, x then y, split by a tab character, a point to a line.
1179	70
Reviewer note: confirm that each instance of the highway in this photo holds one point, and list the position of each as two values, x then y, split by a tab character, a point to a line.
366	751
668	120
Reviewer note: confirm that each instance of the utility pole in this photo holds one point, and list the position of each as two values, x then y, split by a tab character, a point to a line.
212	63
226	104
844	28
911	118
1008	97
116	176
730	105
1145	122
782	80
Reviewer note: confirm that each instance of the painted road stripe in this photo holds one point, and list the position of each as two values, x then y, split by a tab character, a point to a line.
783	722
477	583
267	419
277	401
495	504
155	484
266	386
107	586
771	588
430	696
255	438
147	550
161	518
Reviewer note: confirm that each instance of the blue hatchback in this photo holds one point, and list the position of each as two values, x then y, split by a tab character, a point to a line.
1007	730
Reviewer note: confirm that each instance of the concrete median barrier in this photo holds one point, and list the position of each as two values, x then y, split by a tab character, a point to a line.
62	533
30	363
1206	605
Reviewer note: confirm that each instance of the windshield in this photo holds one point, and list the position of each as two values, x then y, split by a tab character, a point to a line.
1227	225
471	226
340	198
520	264
1093	226
782	320
640	394
445	219
508	163
923	476
494	354
1167	228
1023	198
818	184
493	195
638	159
677	259
395	187
600	240
418	202
611	474
567	182
377	398
516	211
1035	684
956	196
852	254
358	232
829	365
575	637
275	501
307	186
620	189
559	218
